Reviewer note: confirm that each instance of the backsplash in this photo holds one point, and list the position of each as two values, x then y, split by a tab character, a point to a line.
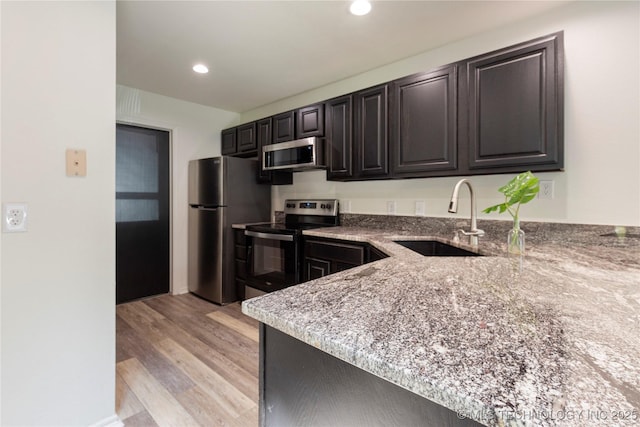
536	232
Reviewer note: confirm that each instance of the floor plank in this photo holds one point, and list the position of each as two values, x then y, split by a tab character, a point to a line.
142	419
184	361
235	324
127	404
244	380
162	369
219	389
160	404
242	350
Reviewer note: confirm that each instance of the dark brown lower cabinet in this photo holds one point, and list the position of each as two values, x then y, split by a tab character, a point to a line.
240	261
301	385
327	256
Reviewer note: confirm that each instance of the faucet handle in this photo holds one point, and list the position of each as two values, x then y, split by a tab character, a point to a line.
478	233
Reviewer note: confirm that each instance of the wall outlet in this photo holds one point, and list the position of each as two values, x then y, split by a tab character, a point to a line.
345	206
391	207
14	217
420	208
546	190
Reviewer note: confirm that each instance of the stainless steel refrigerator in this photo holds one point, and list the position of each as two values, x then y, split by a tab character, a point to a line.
222	191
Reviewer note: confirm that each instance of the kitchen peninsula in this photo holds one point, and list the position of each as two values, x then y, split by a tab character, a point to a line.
554	345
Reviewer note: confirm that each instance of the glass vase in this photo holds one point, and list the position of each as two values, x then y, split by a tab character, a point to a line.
515	244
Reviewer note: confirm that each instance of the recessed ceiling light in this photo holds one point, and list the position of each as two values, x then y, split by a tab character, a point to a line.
200	68
360	7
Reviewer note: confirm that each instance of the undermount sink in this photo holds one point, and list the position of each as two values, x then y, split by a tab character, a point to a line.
434	248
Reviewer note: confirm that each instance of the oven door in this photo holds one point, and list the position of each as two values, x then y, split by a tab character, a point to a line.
273	260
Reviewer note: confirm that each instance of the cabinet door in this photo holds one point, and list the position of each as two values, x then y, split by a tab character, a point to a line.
228	142
247	141
371	139
515	107
324	257
310	121
284	127
423	124
315	268
263	137
339	138
240	261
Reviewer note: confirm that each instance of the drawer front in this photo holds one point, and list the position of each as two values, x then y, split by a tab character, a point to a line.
241	269
342	252
239	238
240	252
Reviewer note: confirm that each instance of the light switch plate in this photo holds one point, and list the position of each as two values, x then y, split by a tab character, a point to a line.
420	208
76	162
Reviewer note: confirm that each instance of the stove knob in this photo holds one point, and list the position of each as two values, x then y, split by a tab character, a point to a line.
328	205
322	206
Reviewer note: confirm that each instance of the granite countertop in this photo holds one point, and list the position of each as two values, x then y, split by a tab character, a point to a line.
244	226
555	344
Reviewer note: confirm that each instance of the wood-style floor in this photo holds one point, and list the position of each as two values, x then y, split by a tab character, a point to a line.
182	361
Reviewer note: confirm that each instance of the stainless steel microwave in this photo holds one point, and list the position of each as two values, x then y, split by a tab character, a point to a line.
301	154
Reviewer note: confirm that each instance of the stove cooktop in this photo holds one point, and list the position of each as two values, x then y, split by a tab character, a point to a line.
303	214
284	228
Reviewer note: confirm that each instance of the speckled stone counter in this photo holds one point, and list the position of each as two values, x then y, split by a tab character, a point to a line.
558	344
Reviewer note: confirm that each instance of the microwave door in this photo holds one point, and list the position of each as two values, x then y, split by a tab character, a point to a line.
299	154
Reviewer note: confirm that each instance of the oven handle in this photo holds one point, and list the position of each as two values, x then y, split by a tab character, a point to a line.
283	237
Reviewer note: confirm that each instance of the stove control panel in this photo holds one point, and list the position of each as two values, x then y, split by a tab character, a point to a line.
322	207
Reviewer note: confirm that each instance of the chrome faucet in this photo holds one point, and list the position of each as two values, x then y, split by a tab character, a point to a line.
474	233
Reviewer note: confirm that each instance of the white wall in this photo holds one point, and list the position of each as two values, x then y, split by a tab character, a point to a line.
58	279
600	184
195	133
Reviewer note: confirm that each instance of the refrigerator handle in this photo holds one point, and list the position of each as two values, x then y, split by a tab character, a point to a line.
204	208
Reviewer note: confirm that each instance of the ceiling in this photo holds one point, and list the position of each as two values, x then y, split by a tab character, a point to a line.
261	51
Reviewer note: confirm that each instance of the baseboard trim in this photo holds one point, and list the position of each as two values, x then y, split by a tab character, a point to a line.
112	421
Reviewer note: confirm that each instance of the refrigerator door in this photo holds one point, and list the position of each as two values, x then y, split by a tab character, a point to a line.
206	239
206	182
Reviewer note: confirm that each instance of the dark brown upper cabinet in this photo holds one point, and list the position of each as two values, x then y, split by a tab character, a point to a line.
264	137
247	140
514	99
284	128
371	141
423	123
499	112
228	142
301	123
310	121
339	137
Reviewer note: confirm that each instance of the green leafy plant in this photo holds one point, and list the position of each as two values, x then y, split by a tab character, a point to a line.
521	189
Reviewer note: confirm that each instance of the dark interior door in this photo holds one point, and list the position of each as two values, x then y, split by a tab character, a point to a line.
142	212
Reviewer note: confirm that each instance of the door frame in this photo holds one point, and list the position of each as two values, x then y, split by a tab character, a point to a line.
155	126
